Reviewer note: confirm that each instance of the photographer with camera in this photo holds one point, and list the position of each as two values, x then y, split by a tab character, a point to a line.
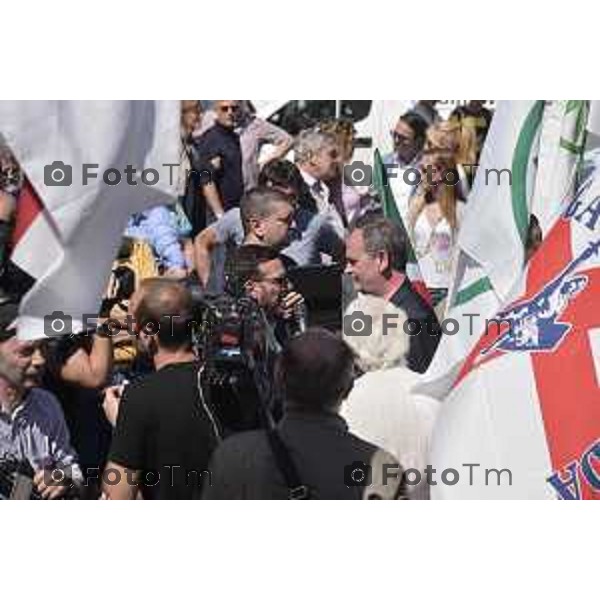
310	454
259	272
165	432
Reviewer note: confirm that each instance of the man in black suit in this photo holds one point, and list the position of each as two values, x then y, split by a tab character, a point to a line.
376	259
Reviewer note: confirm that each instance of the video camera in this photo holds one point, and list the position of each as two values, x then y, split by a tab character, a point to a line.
230	336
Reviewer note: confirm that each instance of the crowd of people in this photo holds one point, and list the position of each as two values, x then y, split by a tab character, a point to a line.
140	414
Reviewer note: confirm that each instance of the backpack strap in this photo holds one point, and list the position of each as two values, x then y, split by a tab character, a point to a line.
285	464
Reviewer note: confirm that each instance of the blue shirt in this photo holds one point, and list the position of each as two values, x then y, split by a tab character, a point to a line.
157	227
36	432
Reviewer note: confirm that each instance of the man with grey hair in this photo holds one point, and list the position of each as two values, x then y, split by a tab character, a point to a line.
381	408
33	430
376	259
318	158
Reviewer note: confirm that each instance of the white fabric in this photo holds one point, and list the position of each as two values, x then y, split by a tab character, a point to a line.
86	221
557	164
402	191
382	410
434	247
489	245
493	419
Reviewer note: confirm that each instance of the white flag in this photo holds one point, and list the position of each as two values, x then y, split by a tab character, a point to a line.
490	246
523	418
71	244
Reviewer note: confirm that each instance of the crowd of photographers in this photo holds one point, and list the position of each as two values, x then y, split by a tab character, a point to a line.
225	388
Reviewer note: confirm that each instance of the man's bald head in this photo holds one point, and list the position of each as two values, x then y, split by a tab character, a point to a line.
169	304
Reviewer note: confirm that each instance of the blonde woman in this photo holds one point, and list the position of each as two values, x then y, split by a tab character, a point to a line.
458	144
433	221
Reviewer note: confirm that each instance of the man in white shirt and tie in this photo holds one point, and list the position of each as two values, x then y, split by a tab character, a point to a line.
318	159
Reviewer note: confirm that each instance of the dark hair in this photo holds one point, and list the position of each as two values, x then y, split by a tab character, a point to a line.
316	370
257	204
8	313
246	261
534	236
285	174
419	126
166	305
280	173
381	234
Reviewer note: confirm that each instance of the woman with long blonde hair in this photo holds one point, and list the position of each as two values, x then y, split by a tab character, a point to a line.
434	217
458	142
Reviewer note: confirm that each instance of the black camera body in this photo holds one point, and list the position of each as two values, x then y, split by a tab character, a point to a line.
229	333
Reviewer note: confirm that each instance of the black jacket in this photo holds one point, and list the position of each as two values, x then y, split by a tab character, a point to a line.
322	449
424	342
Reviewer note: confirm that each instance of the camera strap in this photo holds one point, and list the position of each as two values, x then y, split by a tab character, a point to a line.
297	490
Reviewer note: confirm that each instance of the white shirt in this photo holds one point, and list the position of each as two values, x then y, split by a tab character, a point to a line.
434	247
318	190
36	431
382	410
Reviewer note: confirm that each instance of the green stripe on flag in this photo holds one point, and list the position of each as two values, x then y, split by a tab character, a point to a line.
520	165
471	291
388	202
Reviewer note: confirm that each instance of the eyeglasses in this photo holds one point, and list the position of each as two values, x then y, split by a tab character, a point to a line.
281	280
229	108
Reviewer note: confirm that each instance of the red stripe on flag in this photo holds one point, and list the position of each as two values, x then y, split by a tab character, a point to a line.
566	378
421	289
546	263
29	206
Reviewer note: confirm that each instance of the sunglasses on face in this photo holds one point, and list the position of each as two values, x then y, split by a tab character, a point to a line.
276	280
230	108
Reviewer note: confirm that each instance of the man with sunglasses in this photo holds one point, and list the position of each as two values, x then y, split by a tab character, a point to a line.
409	138
260	271
218	148
260	274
